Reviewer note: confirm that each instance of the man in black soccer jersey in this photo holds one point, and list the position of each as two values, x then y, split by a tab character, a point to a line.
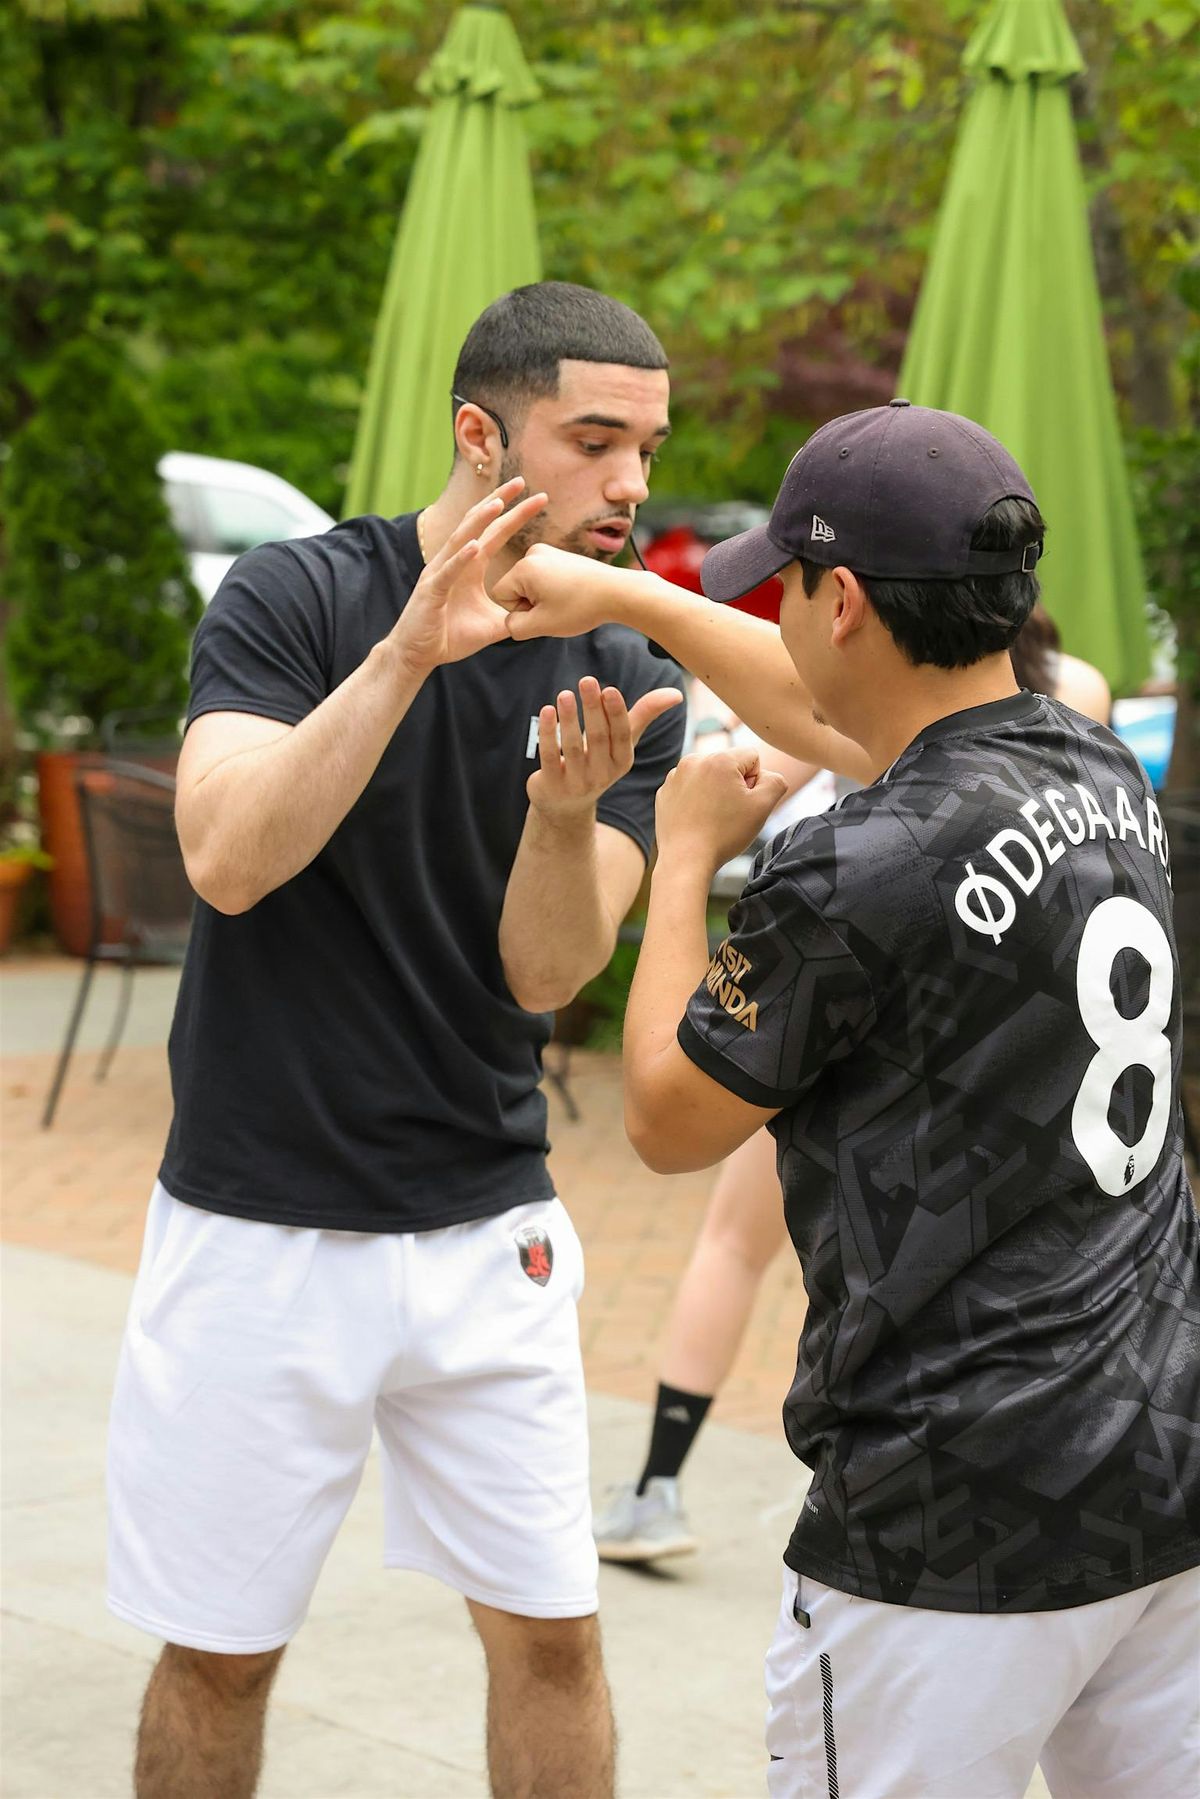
401	872
955	1001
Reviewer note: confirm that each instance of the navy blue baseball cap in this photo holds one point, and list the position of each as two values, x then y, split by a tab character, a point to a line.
896	492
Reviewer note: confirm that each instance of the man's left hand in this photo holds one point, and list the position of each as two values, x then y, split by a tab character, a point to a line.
581	758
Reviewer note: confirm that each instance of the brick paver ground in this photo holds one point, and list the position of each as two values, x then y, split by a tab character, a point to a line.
81	1188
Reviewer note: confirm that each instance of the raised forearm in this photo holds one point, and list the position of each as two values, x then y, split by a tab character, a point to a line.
742	659
671	965
259	815
556	930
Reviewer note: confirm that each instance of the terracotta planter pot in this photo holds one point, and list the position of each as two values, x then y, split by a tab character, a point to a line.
14	878
62	836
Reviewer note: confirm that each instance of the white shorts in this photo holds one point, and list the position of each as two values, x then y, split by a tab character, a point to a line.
257	1360
891	1702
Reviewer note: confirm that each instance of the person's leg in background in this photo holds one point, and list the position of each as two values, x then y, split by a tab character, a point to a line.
742	1232
549	1716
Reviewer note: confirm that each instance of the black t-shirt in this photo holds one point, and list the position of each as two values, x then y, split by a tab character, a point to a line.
347	1053
961	987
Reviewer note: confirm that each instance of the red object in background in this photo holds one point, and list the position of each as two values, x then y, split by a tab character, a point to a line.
676	555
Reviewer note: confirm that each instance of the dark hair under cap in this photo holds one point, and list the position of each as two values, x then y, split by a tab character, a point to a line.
953	624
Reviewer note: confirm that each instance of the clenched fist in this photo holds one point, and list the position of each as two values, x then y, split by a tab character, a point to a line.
712	807
555	593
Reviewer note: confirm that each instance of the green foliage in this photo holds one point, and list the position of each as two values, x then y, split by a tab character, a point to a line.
1167	491
171	174
1166	472
1167	488
1137	106
608	993
219	181
27	855
765	169
104	605
243	399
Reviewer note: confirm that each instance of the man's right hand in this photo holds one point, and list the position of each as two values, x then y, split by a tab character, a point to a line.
713	807
450	614
556	593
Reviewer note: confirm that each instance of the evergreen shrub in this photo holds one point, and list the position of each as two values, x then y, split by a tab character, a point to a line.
104	606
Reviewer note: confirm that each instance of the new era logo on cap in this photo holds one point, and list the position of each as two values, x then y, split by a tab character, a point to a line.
821	532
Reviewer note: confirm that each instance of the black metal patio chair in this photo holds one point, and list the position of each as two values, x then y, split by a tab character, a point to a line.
149	736
141	898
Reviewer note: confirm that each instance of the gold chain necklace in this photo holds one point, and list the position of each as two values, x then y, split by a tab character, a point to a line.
421	538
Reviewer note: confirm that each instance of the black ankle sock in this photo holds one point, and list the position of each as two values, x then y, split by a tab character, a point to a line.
677	1418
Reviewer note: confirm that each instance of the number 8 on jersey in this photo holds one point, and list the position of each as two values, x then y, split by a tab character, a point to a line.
1114	926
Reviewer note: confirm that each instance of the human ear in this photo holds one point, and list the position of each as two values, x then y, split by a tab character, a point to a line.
476	437
849	610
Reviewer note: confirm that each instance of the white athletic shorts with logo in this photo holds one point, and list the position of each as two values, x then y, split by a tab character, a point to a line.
259	1358
874	1701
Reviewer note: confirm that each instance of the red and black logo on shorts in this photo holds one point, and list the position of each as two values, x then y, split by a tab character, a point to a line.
536	1252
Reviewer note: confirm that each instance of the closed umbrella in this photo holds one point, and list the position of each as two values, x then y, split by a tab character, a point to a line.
1008	327
467	234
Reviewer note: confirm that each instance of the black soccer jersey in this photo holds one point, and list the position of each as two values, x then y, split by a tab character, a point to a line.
961	989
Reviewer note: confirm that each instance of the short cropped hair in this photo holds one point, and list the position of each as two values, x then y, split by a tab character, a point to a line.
513	350
953	624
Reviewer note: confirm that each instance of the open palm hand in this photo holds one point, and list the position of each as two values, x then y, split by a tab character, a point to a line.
581	758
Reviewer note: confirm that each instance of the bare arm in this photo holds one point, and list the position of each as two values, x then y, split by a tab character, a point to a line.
573	879
257	800
551	593
676	1116
571	885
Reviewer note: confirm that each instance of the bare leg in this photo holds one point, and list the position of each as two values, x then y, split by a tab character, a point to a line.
201	1732
742	1232
549	1717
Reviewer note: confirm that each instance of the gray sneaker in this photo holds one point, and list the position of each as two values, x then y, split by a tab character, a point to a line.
645	1527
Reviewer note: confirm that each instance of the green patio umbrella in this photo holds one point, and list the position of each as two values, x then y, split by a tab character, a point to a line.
467	234
1008	328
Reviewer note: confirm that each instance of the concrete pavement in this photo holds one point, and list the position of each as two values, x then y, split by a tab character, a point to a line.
36	997
382	1693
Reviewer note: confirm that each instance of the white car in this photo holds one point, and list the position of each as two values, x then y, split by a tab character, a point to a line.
220	509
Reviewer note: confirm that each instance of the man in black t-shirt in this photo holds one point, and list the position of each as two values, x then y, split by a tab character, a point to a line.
408	854
955	1001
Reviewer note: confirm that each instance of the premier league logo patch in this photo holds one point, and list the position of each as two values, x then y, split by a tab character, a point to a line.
536	1252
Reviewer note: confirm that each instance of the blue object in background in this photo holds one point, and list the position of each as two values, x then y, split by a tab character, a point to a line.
1148	727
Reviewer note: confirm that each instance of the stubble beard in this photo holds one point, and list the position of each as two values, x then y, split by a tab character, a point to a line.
576	541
